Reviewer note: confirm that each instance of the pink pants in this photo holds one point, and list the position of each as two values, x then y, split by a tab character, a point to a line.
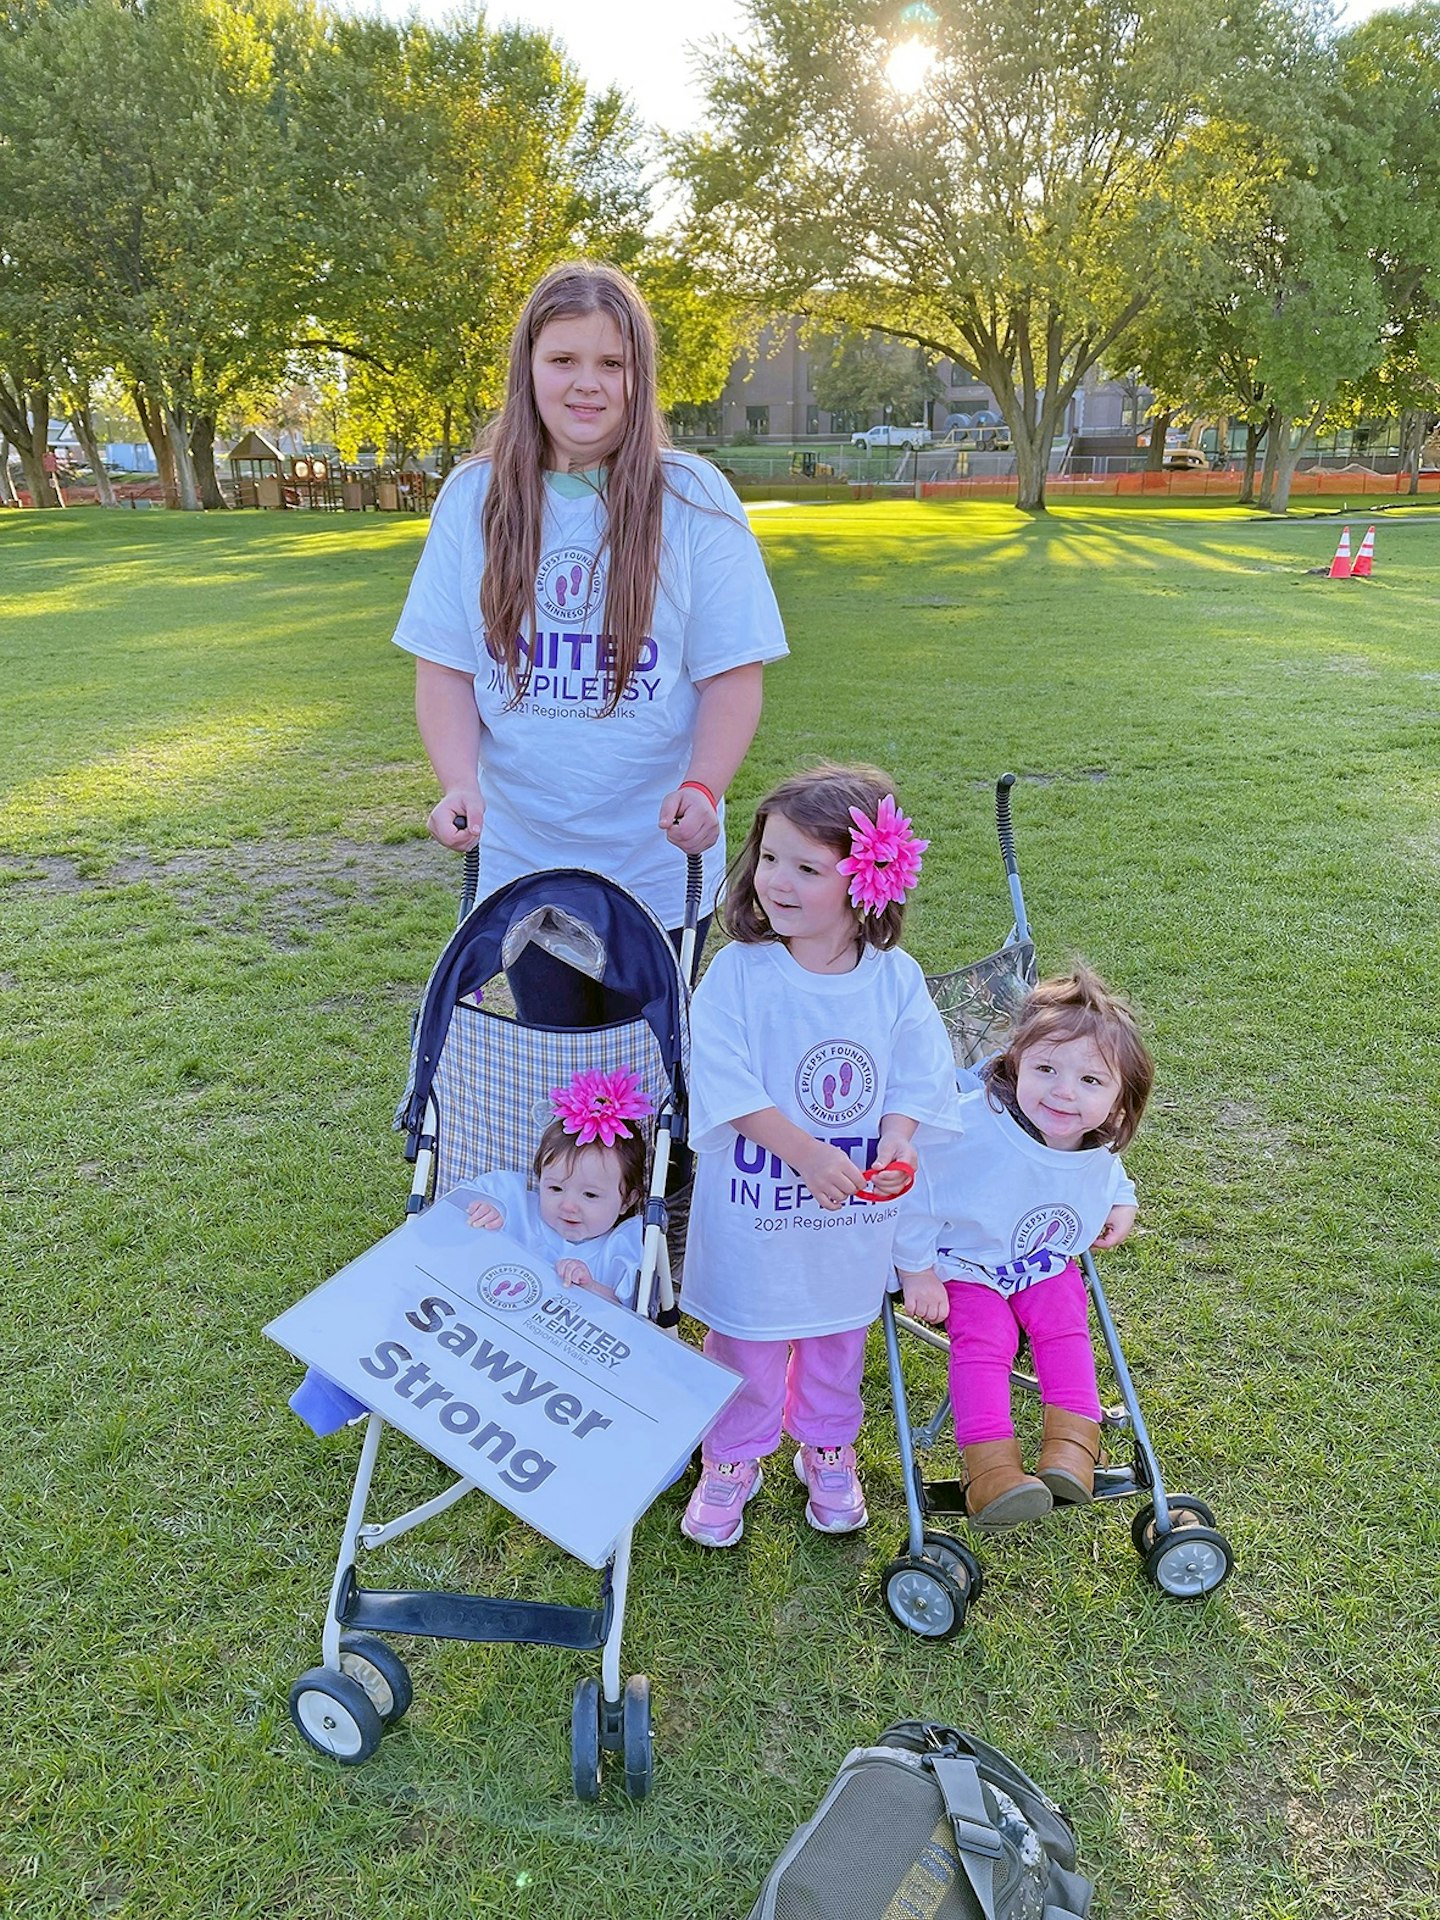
809	1389
984	1330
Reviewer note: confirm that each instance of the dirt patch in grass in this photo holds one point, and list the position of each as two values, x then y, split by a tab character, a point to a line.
290	885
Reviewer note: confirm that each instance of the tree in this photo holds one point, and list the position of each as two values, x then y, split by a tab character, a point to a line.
448	167
1272	307
863	373
700	323
158	194
34	282
1011	211
1390	70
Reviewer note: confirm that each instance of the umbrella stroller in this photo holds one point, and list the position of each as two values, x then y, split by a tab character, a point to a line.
930	1587
477	1101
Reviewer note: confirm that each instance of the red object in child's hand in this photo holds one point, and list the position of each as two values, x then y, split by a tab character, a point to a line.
895	1166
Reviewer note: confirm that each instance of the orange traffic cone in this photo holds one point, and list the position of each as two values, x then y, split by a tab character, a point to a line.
1365	558
1340	565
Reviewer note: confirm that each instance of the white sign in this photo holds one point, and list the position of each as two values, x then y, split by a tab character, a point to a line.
567	1409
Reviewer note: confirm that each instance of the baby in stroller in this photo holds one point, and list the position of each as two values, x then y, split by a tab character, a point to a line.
582	1216
989	1238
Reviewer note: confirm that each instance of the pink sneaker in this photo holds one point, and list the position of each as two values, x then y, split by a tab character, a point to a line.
715	1516
837	1500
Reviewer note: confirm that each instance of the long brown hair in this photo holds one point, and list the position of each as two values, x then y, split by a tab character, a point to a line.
634	485
818	802
1079	1006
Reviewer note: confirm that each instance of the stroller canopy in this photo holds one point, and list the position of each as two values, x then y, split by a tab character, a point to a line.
639	963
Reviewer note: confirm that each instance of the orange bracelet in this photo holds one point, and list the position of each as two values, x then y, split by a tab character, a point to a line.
700	787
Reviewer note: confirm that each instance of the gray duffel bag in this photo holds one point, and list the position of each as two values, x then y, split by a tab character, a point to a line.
930	1824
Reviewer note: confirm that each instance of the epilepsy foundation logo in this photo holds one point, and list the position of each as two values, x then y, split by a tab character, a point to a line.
509	1288
569	584
1055	1229
836	1083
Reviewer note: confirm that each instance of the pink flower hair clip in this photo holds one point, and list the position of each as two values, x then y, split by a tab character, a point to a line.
596	1105
884	861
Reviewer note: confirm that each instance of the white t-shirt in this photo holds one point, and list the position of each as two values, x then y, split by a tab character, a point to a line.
834	1052
562	786
995	1206
613	1258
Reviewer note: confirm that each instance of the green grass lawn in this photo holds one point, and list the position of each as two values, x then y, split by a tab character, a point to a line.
217	912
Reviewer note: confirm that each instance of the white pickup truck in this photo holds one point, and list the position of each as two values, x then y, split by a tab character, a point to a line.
892	436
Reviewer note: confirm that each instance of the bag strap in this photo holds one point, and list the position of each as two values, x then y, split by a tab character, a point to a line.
978	1843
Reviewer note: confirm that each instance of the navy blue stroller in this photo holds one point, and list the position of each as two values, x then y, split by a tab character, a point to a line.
478	1100
930	1587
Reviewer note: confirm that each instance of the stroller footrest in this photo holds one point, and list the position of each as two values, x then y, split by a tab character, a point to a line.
942	1496
474	1617
1116	1483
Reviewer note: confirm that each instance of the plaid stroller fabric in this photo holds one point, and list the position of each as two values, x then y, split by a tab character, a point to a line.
494	1081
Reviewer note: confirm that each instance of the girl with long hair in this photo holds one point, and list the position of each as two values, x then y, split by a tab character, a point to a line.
590	618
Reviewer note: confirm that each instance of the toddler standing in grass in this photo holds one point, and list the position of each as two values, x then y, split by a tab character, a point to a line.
817	1053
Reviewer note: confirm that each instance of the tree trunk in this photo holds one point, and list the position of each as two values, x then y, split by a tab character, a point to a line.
1287	449
153	421
1032	460
447	455
1412	444
25	422
8	495
1272	449
1254	438
83	422
185	482
202	452
1159	427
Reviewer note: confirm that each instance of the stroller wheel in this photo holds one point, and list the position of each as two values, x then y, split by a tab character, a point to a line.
334	1714
1190	1562
380	1671
1186	1510
925	1596
585	1758
956	1558
635	1737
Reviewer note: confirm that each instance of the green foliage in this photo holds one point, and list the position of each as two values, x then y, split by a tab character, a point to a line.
212	199
700	324
1389	70
450	166
1015	210
155	195
864	372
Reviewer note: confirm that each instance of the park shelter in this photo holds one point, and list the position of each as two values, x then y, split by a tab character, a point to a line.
256	468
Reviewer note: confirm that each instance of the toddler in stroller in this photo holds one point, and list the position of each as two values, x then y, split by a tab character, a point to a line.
989	1206
582	1213
482	1088
987	1240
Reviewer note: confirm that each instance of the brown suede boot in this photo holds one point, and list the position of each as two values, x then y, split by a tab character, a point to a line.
998	1491
1069	1453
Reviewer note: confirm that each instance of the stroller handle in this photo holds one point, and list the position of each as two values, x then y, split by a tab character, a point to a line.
694	882
1006	833
1002	821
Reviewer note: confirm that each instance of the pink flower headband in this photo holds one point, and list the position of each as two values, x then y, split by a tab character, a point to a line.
884	860
595	1105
